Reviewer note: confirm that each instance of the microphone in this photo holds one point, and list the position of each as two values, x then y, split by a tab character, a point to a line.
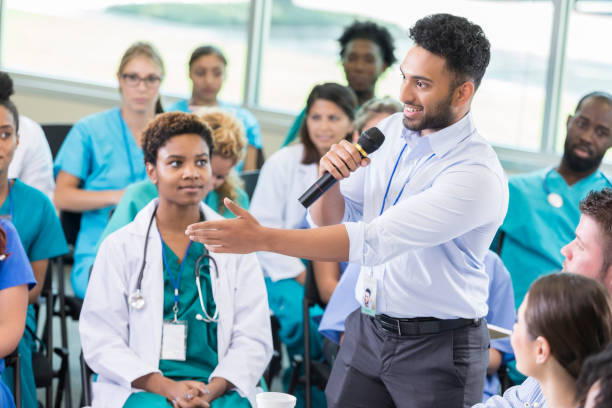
368	142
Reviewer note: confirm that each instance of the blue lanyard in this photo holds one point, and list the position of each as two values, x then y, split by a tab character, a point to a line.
126	141
414	169
175	282
10	198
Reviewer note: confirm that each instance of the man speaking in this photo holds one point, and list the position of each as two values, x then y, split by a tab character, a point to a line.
418	214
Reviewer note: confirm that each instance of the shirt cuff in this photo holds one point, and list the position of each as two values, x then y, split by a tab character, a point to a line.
356	235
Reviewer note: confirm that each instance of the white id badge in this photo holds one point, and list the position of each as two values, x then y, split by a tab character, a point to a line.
368	296
174	340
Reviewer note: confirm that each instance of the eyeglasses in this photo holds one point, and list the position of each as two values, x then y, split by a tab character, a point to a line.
133	80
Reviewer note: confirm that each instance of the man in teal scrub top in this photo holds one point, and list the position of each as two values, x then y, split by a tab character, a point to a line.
543	209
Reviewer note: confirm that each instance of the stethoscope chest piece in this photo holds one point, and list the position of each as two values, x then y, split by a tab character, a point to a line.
137	300
555	200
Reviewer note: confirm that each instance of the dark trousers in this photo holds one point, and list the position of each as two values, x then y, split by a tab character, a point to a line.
377	368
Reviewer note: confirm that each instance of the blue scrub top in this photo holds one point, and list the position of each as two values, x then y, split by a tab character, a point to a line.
501	313
534	230
36	222
251	126
101	151
15	270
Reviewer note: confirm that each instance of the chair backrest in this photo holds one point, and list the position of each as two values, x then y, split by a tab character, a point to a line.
71	223
261	158
56	133
311	290
250	181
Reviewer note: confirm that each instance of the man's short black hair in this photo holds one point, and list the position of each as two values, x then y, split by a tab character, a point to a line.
368	30
461	43
599	95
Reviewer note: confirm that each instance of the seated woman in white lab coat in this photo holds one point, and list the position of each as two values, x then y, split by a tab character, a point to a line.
148	324
330	110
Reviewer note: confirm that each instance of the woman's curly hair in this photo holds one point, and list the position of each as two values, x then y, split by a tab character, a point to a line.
6	91
230	143
167	125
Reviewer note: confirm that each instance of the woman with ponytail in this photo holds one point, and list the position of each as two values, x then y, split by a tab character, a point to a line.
102	154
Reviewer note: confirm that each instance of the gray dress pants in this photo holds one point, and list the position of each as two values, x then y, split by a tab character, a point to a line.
378	368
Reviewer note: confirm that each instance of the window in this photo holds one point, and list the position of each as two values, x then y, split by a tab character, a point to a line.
84	40
303	50
588	64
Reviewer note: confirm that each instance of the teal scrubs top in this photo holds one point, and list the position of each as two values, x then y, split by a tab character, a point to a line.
201	357
294	130
534	230
251	125
138	195
101	151
42	237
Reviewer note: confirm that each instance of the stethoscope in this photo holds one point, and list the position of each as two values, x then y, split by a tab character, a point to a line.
136	299
555	199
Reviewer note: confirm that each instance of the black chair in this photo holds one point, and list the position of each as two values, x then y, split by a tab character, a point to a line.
14	360
86	374
56	133
261	158
250	181
316	373
275	365
42	360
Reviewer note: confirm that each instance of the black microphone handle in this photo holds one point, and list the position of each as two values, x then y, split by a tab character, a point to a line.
317	189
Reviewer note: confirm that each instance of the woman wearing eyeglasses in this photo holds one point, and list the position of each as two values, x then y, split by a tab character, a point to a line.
102	154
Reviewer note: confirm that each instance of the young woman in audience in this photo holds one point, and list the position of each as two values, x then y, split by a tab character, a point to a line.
162	317
32	162
564	319
102	154
16	277
207	67
594	385
228	137
284	177
39	229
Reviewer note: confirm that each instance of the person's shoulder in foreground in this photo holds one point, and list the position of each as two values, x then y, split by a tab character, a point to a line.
528	394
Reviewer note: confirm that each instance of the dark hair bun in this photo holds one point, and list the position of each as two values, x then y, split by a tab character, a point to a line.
6	86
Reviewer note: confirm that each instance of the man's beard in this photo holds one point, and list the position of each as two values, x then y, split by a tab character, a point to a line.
579	164
441	117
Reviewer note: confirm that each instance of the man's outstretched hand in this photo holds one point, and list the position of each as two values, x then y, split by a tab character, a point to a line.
240	235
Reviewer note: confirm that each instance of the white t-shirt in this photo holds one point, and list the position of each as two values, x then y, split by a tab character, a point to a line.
32	162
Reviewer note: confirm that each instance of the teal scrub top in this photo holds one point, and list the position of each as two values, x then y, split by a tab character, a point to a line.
101	151
251	125
34	217
294	130
534	230
138	195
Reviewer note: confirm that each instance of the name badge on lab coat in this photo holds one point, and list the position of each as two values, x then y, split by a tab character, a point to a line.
174	340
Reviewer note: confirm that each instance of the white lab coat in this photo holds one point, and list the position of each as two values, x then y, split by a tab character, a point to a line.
32	162
282	180
121	344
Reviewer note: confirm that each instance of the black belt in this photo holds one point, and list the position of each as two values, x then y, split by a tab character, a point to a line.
423	325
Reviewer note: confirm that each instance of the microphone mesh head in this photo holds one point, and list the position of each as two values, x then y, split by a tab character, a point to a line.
371	140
